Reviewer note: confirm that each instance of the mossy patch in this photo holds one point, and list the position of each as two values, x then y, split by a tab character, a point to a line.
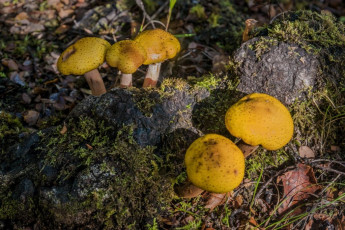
137	193
209	114
10	131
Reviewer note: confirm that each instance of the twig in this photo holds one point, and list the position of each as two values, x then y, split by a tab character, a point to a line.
315	204
342	163
154	21
272	177
160	9
329	169
142	7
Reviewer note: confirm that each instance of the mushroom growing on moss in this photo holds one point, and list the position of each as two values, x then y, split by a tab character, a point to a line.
160	46
259	119
213	163
127	56
83	58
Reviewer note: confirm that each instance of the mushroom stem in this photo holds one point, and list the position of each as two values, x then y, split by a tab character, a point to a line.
152	75
188	190
246	149
95	82
126	80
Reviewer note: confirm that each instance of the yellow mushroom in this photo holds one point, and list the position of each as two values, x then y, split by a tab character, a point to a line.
160	46
260	119
213	163
83	58
127	56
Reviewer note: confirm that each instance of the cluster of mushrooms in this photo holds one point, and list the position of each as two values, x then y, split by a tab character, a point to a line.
151	47
215	164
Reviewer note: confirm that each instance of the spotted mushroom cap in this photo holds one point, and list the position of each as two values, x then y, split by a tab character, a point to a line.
260	119
126	55
83	56
159	45
214	163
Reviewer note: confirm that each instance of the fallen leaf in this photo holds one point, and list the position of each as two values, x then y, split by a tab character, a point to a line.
64	129
31	117
309	225
253	222
21	16
335	148
215	199
298	184
62	29
12	65
65	13
306	152
238	201
89	146
26	98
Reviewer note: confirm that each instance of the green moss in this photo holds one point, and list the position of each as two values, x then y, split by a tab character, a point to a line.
263	159
146	98
10	130
262	46
138	192
320	119
174	83
14	209
208	82
316	33
199	11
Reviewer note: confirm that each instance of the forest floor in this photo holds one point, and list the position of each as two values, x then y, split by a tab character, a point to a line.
34	96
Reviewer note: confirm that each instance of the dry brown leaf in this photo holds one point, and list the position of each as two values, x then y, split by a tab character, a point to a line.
89	146
306	152
64	129
62	29
298	185
253	222
11	64
309	225
21	16
26	98
31	117
238	201
65	13
335	148
215	199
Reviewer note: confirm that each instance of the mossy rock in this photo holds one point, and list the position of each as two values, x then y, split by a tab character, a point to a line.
113	168
299	51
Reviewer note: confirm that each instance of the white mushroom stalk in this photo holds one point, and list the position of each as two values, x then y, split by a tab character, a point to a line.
152	75
159	46
127	56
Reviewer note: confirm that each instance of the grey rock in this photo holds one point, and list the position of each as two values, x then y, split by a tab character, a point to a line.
284	70
118	108
24	190
169	116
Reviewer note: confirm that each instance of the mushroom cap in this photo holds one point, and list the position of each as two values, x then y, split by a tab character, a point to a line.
83	56
159	45
126	55
214	163
260	119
